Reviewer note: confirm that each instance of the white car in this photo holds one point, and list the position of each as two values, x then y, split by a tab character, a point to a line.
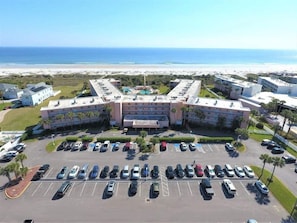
229	170
239	171
11	153
110	188
210	171
229	147
125	172
135	172
261	187
248	171
73	172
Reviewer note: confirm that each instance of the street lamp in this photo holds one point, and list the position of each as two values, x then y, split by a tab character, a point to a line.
293	209
53	141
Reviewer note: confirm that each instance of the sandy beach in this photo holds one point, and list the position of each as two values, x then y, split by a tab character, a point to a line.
135	69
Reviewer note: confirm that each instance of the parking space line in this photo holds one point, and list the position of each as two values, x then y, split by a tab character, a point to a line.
117	189
210	147
36	189
71	189
48	189
139	189
190	188
82	190
94	189
50	170
245	188
178	188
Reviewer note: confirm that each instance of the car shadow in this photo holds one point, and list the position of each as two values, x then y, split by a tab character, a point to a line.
233	154
203	194
56	197
260	198
131	153
144	157
104	194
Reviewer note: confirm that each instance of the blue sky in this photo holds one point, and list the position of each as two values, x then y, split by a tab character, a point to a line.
150	23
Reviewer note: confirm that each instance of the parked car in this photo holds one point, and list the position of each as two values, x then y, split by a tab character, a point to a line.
62	173
133	187
272	144
289	158
189	171
192	146
125	172
145	170
105	146
261	187
163	146
19	147
37	176
85	146
73	172
295	168
114	172
77	146
44	168
169	172
6	158
183	146
94	172
206	187
210	171
82	173
266	142
135	172
229	147
229	186
64	188
248	171
97	146
179	171
155	189
116	146
110	188
104	172
277	150
11	153
219	171
239	171
155	172
229	170
127	146
199	170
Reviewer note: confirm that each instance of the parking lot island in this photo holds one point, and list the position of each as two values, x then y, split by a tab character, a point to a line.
17	190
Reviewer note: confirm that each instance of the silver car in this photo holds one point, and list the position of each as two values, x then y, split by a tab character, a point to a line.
110	188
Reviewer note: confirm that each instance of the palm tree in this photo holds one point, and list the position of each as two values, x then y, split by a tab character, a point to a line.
81	116
286	114
107	110
24	171
70	115
173	110
89	114
276	161
292	121
200	114
16	169
60	117
46	121
20	158
221	122
184	111
4	171
266	159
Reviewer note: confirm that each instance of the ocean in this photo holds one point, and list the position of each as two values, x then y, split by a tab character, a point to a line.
10	56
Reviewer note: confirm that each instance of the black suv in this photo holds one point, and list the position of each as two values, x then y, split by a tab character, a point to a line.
206	187
155	172
133	187
219	171
179	171
104	172
114	172
170	172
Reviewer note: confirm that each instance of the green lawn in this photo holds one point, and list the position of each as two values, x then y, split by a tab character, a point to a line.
206	94
4	105
21	118
286	198
163	89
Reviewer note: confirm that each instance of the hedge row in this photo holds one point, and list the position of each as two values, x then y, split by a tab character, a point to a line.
71	138
177	139
216	139
114	139
87	139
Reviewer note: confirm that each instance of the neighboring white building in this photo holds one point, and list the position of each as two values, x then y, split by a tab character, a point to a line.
235	87
35	94
278	86
10	91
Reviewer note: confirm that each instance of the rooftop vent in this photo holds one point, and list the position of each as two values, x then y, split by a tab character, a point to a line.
231	105
92	100
58	103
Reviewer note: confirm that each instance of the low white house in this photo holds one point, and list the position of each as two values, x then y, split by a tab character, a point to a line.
10	91
35	94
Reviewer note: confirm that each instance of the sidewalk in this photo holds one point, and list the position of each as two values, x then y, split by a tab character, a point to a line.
17	190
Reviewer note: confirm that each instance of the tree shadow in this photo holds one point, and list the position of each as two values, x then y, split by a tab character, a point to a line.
233	154
260	198
131	153
144	157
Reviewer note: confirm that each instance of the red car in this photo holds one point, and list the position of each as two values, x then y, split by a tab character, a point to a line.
199	170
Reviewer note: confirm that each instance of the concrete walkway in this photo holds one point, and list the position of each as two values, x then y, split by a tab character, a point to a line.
3	113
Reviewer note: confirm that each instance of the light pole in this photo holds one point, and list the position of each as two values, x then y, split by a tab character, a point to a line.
293	209
53	141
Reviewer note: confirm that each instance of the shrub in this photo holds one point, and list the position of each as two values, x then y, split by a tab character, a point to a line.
177	139
71	138
216	139
87	139
263	119
260	125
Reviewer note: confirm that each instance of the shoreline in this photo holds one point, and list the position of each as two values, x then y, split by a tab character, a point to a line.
135	69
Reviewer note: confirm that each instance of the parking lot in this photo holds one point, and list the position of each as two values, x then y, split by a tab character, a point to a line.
180	200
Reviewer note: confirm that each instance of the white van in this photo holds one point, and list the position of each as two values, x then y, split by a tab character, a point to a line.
229	186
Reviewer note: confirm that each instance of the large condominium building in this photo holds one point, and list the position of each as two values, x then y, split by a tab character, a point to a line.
278	86
180	105
235	87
